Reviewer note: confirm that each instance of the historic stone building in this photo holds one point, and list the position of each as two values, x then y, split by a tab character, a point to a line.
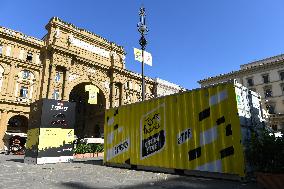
163	88
65	64
265	77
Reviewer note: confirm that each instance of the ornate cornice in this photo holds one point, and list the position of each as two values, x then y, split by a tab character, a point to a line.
15	35
263	61
23	63
74	56
134	75
246	71
84	34
115	69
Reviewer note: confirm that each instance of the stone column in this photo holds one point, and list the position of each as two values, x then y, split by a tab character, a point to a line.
11	81
65	86
51	81
122	94
45	76
3	127
4	89
112	95
38	85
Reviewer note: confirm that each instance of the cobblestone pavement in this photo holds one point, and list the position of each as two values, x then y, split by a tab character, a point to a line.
86	175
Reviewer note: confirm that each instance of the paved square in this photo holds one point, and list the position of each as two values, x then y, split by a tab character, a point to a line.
14	174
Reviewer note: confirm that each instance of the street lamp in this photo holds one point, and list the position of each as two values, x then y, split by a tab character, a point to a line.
142	29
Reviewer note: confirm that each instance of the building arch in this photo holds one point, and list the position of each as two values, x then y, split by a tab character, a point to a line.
90	109
97	83
17	124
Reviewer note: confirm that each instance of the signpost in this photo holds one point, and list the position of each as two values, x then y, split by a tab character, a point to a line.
142	29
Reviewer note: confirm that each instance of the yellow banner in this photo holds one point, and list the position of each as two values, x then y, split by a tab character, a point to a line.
93	90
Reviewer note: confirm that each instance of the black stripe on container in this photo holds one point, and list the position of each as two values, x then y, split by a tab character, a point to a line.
220	120
193	154
116	112
204	114
107	118
133	167
229	130
115	127
227	152
179	171
127	161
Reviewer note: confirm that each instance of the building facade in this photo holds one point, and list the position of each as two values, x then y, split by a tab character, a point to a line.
265	77
65	64
163	88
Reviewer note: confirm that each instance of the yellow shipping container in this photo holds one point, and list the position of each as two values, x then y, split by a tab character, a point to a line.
195	130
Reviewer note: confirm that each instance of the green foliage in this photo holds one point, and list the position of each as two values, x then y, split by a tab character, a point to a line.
83	148
265	153
99	148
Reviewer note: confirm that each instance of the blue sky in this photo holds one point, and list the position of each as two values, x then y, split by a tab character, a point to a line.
189	39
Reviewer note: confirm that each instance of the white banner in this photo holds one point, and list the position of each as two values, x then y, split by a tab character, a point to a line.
147	56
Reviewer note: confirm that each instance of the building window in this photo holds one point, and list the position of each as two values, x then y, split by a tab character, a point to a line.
24	92
57	77
282	88
129	85
1	49
281	74
8	51
267	92
270	108
29	57
116	90
25	74
56	94
129	97
250	82
265	78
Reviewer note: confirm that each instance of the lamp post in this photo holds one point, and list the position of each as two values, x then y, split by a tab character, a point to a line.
142	29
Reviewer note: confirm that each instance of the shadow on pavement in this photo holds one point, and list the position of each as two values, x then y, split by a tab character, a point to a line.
76	185
173	183
16	160
91	162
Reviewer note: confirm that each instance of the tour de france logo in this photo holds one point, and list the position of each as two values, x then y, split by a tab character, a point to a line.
152	132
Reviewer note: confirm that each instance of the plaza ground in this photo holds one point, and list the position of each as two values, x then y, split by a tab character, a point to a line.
15	174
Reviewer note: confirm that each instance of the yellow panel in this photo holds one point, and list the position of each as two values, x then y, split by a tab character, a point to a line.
195	130
93	91
49	137
33	135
